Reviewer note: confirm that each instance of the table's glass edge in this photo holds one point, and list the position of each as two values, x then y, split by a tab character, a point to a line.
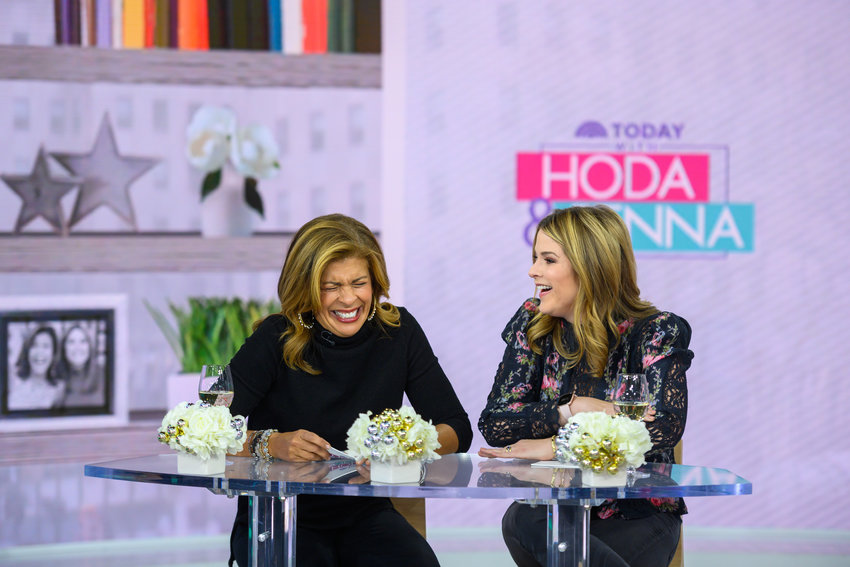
109	470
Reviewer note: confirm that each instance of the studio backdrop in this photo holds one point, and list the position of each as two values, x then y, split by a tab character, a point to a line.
717	130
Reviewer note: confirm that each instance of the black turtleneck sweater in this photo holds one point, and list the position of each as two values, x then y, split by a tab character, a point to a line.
371	370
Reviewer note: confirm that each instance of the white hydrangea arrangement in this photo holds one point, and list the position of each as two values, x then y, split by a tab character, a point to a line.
393	436
202	430
213	137
603	443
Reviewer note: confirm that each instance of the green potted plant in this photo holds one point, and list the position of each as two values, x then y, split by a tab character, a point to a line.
210	331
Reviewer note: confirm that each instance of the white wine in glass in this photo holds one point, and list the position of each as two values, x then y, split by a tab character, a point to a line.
631	398
631	395
216	385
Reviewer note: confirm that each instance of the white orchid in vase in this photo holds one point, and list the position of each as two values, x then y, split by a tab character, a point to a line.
213	137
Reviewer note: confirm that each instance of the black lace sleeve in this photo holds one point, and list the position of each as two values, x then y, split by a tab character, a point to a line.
664	357
514	410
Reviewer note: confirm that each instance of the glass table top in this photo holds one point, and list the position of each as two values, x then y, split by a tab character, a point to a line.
453	476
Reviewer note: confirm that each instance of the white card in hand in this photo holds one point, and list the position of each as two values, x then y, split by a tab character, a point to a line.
337	454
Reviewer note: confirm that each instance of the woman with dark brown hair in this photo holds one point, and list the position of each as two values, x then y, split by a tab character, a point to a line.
35	386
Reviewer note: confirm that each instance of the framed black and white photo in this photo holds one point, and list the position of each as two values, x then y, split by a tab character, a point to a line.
63	361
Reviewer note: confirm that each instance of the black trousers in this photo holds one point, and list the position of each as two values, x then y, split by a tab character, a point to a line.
644	542
382	537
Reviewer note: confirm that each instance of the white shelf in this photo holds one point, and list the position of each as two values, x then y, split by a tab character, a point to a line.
141	253
171	66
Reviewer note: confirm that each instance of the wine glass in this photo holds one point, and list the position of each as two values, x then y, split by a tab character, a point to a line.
216	385
631	398
631	395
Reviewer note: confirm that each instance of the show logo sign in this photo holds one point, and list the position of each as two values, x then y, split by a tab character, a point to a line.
673	196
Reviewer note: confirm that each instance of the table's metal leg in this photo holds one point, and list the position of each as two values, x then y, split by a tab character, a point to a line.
272	530
290	515
568	535
582	532
261	531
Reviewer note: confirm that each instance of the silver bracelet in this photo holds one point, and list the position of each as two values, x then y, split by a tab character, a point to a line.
255	441
263	446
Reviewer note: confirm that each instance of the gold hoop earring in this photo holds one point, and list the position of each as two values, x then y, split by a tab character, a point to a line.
301	321
372	314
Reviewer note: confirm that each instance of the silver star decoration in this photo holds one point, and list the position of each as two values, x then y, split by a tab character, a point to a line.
105	175
41	194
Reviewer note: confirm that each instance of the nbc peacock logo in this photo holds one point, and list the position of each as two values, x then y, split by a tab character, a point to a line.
591	129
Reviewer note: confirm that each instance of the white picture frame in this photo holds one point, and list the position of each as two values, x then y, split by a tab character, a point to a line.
63	362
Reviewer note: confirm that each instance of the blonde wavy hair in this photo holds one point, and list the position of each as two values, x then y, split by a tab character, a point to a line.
321	241
597	243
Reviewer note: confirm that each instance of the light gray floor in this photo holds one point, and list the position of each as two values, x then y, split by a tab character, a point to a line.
209	551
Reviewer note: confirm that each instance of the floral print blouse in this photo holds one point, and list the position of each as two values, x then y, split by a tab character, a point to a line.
523	403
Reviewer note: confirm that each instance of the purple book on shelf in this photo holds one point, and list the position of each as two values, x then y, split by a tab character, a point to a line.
103	21
75	24
57	22
173	24
62	21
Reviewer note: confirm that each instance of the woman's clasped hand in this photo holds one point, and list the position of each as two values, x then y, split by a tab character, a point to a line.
298	446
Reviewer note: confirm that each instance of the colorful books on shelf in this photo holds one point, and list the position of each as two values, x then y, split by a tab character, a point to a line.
192	25
286	26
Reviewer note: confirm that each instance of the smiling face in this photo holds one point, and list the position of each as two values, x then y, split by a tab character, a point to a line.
77	348
40	355
346	296
553	277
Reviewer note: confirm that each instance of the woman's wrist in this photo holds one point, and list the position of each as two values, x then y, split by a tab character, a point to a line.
564	410
260	444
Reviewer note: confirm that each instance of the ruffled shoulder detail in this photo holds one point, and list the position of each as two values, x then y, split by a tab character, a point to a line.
515	329
663	329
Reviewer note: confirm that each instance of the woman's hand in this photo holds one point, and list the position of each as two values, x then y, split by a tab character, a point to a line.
535	449
581	404
364	472
299	446
649	414
447	438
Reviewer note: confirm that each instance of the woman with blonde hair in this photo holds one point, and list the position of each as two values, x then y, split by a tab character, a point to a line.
338	349
564	351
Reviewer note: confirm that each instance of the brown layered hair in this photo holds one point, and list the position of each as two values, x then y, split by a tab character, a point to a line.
321	241
597	244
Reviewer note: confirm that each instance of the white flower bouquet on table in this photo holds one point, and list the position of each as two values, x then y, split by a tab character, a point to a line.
213	137
203	432
603	444
396	442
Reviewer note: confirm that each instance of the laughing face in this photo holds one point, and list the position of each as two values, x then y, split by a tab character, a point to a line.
77	348
553	277
40	355
346	296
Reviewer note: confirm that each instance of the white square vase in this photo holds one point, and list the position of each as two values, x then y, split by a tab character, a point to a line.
391	473
192	464
590	478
